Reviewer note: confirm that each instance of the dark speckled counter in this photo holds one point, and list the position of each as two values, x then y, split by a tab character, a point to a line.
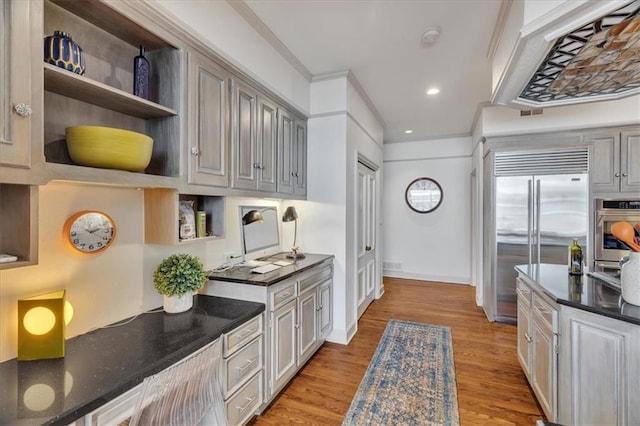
581	292
102	364
243	274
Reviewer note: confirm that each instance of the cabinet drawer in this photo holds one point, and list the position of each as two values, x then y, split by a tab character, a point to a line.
544	311
237	338
524	292
115	411
283	295
242	365
316	277
245	403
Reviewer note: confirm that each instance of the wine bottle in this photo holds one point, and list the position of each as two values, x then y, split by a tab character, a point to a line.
141	75
575	258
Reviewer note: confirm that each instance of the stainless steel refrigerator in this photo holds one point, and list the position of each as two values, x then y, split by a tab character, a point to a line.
535	218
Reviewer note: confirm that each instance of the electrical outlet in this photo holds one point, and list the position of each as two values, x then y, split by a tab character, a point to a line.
392	266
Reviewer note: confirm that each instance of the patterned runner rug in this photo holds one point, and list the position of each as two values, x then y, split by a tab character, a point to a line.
410	379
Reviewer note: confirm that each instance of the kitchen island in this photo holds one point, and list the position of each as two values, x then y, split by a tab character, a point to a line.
105	363
579	346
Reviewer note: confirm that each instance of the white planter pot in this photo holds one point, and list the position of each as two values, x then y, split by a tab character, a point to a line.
177	304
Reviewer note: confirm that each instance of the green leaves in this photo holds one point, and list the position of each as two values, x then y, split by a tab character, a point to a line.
179	274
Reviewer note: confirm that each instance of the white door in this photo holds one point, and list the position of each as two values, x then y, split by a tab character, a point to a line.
366	225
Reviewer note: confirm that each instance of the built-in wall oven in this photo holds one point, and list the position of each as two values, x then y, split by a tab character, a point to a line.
608	250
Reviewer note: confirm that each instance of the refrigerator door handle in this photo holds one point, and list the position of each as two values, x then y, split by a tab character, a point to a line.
538	220
529	219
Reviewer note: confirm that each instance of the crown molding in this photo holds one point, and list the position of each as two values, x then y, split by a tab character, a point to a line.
261	28
498	28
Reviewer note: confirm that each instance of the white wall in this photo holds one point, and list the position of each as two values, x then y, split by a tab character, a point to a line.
234	38
110	286
435	246
341	127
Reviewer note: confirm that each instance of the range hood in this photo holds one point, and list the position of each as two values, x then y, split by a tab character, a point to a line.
578	52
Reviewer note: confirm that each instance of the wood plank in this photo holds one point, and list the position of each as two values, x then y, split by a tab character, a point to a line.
492	389
84	89
105	17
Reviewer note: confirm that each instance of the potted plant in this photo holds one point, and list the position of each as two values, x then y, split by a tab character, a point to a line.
177	278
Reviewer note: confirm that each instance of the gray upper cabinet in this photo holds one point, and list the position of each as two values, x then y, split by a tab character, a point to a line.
18	124
615	161
630	161
267	144
208	129
254	130
243	136
292	154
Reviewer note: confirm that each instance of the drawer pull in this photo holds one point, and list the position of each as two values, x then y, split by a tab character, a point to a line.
247	332
246	365
528	338
247	405
285	295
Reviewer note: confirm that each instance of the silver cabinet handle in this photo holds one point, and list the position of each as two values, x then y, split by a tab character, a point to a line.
195	151
247	364
624	174
528	338
249	401
258	166
23	110
617	174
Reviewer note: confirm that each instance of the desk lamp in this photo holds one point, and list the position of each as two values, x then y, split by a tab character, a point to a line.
290	214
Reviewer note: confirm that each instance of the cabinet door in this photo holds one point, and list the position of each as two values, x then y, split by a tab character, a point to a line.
286	129
208	149
604	172
599	359
544	365
19	29
630	161
283	345
524	315
243	136
267	144
307	324
300	158
325	322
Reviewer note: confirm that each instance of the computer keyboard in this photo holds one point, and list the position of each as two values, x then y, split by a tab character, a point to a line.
264	269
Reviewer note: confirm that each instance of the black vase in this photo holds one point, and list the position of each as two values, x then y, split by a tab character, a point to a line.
141	75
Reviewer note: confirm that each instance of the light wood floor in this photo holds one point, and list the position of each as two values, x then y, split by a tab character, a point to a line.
492	389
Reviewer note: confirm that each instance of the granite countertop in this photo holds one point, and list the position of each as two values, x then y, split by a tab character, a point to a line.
104	363
581	291
242	274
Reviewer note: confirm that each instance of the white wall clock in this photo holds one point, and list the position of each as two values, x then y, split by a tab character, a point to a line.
423	195
89	231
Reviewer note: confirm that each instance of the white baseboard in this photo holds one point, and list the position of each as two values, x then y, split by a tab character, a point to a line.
342	336
425	277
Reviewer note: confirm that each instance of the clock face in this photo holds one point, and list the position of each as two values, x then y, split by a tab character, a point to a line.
423	195
90	231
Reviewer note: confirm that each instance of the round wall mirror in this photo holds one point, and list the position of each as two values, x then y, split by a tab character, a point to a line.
423	195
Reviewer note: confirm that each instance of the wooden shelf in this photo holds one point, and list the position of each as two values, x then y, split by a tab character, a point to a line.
161	216
19	224
103	16
75	173
66	83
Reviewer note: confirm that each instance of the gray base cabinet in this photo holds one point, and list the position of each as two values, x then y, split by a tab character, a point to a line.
241	374
538	345
600	365
298	320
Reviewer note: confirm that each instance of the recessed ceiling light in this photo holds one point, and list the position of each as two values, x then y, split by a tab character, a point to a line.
433	91
408	131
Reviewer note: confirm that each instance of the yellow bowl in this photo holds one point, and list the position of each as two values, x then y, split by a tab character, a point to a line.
109	148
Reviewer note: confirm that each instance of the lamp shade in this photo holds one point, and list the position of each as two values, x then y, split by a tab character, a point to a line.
290	214
41	326
251	217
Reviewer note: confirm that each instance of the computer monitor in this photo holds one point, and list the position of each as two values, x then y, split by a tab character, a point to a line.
259	236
